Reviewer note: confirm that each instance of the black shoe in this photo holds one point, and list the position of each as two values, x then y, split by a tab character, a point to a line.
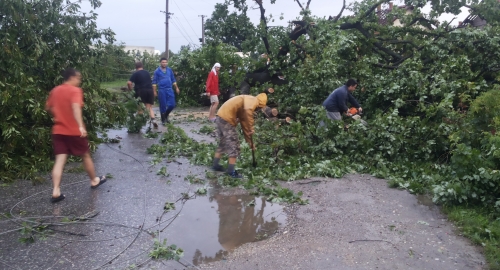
163	118
235	174
58	199
218	168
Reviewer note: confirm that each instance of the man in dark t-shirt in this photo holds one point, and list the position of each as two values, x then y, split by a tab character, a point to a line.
143	89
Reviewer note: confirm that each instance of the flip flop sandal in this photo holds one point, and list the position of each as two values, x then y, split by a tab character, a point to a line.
102	180
57	199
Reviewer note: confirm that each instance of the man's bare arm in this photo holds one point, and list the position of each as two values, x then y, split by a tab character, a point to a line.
77	114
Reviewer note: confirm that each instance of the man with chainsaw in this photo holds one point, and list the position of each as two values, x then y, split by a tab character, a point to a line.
237	109
336	103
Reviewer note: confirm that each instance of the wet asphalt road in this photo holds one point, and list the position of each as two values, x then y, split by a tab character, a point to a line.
355	222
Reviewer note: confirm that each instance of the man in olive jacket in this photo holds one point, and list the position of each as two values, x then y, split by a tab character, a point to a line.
237	109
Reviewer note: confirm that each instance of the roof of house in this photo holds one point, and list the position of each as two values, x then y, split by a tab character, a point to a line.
382	14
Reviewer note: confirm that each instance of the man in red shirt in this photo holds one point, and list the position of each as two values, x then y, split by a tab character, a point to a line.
69	136
213	90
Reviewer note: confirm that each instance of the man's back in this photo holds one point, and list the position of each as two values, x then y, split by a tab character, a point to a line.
235	108
60	101
142	80
338	96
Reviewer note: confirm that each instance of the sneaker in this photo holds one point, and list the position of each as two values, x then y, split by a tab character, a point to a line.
155	125
235	174
218	168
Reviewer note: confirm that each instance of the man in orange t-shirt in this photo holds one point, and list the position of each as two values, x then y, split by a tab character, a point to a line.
69	136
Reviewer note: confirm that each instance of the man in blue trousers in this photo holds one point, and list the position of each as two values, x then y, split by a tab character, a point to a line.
163	79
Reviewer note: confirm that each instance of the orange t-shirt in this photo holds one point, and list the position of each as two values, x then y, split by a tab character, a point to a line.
60	100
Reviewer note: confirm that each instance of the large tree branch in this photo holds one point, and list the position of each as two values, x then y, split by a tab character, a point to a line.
385	66
426	22
373	8
448	25
340	13
308	2
300	5
263	21
397	41
379	46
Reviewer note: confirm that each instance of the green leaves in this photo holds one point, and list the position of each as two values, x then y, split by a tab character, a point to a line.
50	38
201	191
163	171
169	206
162	251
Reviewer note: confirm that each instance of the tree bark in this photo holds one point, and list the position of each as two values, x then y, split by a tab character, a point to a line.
263	21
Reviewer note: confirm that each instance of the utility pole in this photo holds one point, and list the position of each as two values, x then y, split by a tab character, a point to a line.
167	16
202	29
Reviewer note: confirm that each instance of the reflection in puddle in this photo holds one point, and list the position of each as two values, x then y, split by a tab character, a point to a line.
211	226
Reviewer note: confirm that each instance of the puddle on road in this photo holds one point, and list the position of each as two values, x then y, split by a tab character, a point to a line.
211	226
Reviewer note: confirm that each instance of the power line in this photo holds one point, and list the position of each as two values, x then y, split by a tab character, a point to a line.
181	29
175	24
181	26
189	6
185	17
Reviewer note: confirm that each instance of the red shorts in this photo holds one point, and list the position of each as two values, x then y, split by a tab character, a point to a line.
70	145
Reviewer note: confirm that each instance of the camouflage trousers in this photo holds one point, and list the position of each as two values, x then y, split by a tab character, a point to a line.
228	138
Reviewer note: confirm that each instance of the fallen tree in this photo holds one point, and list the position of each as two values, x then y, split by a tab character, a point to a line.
39	39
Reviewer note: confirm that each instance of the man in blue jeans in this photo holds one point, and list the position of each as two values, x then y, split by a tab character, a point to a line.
336	103
163	80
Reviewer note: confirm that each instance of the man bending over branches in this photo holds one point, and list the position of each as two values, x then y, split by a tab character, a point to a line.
69	136
237	109
336	103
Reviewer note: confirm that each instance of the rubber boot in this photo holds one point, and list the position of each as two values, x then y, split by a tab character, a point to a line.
163	117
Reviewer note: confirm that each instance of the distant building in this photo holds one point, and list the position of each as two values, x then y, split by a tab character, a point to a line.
473	20
141	49
383	14
242	55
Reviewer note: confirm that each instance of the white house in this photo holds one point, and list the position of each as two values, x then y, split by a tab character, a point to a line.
148	49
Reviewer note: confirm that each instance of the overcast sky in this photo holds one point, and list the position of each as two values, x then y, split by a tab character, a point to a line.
141	23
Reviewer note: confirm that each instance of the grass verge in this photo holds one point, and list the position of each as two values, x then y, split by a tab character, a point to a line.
114	85
481	226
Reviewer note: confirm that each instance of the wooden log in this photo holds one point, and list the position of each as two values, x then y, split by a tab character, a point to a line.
270	112
287	120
